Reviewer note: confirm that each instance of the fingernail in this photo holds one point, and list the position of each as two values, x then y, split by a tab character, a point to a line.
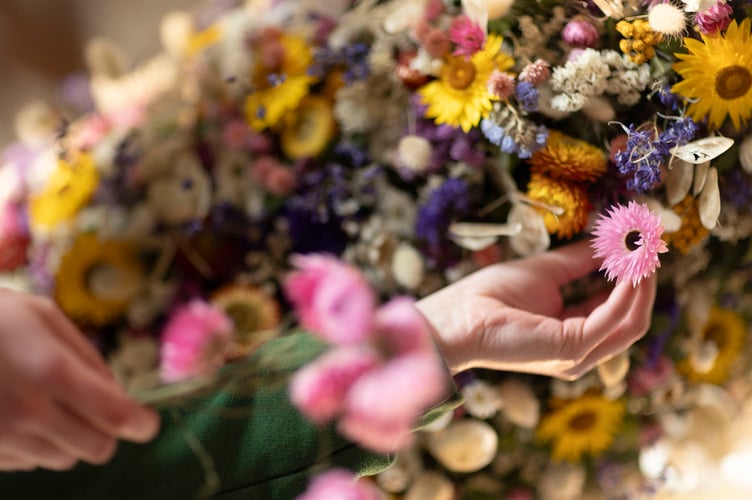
142	426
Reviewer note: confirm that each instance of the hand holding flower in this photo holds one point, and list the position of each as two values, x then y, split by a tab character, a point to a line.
512	316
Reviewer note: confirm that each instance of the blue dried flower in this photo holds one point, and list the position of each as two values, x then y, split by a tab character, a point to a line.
527	96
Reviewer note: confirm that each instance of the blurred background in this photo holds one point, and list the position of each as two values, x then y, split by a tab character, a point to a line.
42	41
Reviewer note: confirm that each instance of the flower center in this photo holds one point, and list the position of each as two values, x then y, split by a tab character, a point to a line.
732	82
461	74
244	316
631	240
583	421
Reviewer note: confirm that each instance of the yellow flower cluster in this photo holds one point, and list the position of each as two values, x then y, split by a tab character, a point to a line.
639	40
691	232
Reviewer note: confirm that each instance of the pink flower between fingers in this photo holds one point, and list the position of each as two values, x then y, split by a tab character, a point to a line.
340	484
629	240
194	341
332	299
319	389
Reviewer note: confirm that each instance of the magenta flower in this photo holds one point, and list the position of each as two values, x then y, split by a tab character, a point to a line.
467	36
332	299
715	19
340	484
14	238
194	341
629	240
580	33
318	389
383	405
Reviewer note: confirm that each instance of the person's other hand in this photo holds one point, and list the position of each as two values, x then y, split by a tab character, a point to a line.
512	316
59	404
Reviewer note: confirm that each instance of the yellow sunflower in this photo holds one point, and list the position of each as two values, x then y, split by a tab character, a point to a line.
255	316
727	330
68	189
279	82
691	232
584	425
460	97
309	128
96	279
567	158
717	75
570	199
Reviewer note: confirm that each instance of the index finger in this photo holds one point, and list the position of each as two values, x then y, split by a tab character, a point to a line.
565	264
101	402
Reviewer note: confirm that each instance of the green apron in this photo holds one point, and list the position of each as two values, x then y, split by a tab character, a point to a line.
242	440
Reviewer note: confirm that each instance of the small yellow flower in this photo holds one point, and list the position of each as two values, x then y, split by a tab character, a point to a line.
255	316
586	425
68	189
96	279
203	39
570	199
566	158
727	330
279	88
691	232
308	129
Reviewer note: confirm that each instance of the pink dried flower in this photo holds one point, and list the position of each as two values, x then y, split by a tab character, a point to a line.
194	341
236	134
646	379
434	9
93	128
263	166
580	33
332	299
467	35
403	328
340	484
279	181
437	43
715	19
629	240
536	72
383	405
14	238
318	389
500	84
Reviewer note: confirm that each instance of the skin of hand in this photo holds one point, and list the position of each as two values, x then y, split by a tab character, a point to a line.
512	316
60	403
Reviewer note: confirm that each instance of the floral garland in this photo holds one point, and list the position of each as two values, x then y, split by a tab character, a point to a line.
418	140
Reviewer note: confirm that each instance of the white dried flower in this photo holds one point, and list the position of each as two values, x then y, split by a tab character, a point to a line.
414	152
481	399
519	404
562	482
667	19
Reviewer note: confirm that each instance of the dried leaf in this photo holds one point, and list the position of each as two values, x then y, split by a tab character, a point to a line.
703	150
679	181
710	200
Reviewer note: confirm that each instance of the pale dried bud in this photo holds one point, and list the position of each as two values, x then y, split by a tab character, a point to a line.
415	152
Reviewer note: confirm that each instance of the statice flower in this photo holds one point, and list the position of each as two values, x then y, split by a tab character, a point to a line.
445	203
644	153
513	134
527	96
353	58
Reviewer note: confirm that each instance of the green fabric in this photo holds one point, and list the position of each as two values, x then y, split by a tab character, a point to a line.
261	447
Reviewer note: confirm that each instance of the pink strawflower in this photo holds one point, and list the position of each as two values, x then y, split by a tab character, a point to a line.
468	36
91	131
715	19
629	240
14	238
332	299
280	181
500	84
434	9
403	328
194	341
340	484
318	389
646	379
383	406
580	33
436	43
